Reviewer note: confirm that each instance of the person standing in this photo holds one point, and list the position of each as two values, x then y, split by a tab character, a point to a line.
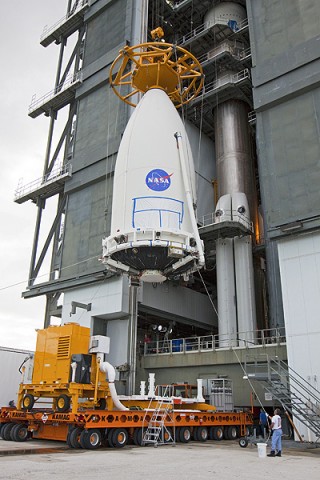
276	445
263	422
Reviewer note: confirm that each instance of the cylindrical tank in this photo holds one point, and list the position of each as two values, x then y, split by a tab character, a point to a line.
226	12
235	169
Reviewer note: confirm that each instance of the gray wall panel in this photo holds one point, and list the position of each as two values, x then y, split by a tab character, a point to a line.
87	221
288	136
101	120
180	301
106	31
277	26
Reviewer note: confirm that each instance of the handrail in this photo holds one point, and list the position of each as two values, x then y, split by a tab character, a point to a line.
229	215
48	30
62	87
237	52
295	379
55	174
211	342
227	79
208	25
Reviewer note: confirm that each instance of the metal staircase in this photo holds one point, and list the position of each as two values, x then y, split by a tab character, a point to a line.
159	430
292	391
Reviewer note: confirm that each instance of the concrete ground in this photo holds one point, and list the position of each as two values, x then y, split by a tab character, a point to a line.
223	460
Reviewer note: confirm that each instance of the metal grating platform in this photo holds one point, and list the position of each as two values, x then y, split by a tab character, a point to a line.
44	187
57	98
66	26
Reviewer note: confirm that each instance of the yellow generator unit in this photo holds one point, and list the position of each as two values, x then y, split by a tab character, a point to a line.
65	370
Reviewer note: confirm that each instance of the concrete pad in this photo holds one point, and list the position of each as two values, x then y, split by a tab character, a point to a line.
224	460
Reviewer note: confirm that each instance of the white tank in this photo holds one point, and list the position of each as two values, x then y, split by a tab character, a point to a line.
153	232
224	13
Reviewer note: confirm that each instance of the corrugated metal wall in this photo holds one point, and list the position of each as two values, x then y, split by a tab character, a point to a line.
300	277
10	361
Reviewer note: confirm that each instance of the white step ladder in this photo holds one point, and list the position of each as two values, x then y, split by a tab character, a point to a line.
160	429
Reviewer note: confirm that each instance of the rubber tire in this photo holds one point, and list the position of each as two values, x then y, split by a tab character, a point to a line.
243	442
231	432
90	439
109	438
185	435
6	431
73	437
65	403
168	435
178	429
217	433
137	437
102	404
19	432
201	434
27	402
120	437
1	427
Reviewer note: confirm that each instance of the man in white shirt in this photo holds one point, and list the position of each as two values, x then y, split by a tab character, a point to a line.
276	434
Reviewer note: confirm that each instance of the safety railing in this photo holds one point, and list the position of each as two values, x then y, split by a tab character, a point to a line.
70	80
48	30
55	174
201	29
231	215
229	79
236	52
253	339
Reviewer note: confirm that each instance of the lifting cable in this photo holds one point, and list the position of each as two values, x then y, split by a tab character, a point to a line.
253	389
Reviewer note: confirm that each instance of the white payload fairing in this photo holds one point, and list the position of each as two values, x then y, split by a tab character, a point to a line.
154	232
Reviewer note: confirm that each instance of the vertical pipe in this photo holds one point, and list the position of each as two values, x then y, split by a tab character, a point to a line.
132	354
227	321
246	305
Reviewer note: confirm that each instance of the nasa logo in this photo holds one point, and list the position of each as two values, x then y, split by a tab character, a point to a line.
158	180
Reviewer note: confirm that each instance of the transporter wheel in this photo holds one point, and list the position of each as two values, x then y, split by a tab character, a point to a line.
167	435
137	437
217	433
28	402
231	432
63	403
243	442
6	431
109	438
185	435
73	438
102	404
120	437
178	434
1	427
19	432
90	439
201	434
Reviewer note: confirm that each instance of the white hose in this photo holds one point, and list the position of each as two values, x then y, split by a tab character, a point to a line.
107	368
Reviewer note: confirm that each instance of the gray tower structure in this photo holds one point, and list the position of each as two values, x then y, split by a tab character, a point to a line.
259	57
78	287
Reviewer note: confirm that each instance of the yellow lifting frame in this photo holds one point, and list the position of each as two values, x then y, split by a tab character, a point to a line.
157	65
